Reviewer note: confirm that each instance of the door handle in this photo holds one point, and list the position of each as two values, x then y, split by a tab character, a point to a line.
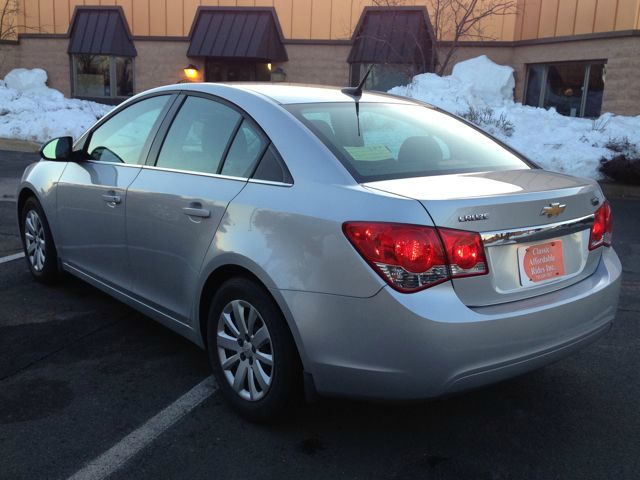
195	210
112	197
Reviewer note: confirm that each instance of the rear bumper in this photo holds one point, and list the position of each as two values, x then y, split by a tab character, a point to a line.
426	344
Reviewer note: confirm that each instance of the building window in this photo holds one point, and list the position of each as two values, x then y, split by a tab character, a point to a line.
574	88
383	76
237	71
102	76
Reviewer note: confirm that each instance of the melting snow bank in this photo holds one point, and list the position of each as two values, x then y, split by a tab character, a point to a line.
29	110
556	142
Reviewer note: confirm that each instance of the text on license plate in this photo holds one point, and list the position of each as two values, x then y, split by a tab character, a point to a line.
540	263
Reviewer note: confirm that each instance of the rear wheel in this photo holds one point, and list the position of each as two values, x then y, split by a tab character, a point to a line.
37	242
251	350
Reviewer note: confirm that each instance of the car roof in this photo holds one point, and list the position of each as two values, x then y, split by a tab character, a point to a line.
291	93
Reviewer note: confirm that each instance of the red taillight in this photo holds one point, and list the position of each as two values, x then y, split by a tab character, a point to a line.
602	229
415	257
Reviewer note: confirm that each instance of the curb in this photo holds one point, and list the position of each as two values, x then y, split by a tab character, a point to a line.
14	145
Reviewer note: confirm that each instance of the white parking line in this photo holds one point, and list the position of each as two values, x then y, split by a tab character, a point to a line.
116	456
11	257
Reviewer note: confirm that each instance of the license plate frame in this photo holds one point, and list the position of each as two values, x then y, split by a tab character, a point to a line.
541	263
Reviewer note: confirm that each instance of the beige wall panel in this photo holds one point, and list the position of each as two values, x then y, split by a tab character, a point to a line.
605	16
566	17
75	3
531	19
321	19
140	17
585	16
61	8
509	27
212	3
32	16
301	24
340	19
626	15
157	18
127	8
174	18
264	3
246	3
107	2
227	3
357	6
47	18
548	18
189	14
283	9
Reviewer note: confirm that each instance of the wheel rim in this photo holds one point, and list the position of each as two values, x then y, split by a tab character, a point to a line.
34	240
245	350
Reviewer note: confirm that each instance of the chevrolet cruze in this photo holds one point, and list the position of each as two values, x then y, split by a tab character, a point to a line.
325	240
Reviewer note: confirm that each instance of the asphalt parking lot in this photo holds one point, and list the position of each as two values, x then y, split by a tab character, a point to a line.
80	371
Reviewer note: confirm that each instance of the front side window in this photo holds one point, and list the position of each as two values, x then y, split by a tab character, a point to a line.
102	76
199	135
122	138
574	89
386	141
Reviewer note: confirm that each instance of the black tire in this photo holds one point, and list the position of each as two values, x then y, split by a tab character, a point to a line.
48	272
285	385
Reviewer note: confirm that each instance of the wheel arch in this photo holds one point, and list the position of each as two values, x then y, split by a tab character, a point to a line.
227	271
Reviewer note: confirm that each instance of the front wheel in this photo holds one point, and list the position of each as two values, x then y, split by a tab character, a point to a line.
37	242
251	350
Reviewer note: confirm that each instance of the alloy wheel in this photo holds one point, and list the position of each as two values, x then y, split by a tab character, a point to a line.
35	240
245	350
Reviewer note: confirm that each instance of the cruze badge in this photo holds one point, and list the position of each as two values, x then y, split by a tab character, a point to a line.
553	210
473	217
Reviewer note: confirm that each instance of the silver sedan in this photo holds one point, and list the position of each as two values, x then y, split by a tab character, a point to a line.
323	240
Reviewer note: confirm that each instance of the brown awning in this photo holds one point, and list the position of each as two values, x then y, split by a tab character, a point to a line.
393	35
100	31
237	33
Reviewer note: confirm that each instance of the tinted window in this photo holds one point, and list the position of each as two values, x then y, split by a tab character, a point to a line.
122	138
247	147
198	136
398	141
272	168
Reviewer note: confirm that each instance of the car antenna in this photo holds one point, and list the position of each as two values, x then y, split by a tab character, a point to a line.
357	90
356	93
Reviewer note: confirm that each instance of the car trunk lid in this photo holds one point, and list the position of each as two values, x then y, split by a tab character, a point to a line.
514	211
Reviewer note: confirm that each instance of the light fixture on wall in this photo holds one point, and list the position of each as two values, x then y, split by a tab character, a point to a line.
278	75
191	72
269	66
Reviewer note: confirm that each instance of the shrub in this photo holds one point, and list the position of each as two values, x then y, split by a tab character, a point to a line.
624	166
485	118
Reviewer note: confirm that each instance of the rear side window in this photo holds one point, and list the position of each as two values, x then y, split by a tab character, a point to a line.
385	141
247	147
272	169
198	136
122	138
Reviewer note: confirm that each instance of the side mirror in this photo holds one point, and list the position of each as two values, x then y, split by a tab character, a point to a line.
58	149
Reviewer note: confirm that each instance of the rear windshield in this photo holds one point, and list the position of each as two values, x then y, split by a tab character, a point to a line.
386	141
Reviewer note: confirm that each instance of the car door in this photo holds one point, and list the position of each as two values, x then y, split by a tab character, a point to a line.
176	205
91	194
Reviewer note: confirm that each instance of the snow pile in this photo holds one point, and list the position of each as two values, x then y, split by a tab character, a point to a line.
29	110
556	142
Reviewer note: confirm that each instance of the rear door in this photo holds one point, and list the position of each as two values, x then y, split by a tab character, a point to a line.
177	203
92	192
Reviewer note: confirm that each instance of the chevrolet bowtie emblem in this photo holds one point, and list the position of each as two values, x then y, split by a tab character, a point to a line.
553	210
